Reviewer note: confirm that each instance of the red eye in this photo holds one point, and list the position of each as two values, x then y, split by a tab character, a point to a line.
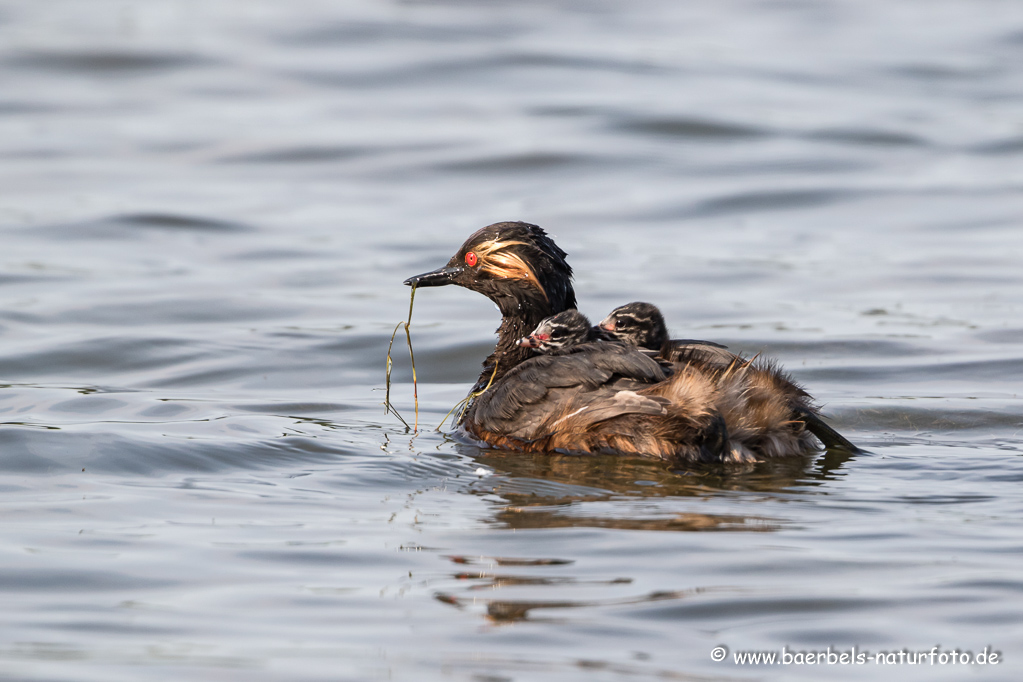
471	260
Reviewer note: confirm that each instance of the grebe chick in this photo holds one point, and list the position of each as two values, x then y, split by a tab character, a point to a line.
561	333
642	324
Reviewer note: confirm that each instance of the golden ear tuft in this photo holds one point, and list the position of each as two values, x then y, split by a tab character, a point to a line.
500	263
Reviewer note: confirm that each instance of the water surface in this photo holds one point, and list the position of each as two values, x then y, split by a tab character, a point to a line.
207	212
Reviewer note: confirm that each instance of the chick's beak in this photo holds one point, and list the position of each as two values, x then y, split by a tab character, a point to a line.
435	278
529	342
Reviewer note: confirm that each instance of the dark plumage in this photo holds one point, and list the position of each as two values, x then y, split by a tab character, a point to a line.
600	381
606	396
518	267
642	324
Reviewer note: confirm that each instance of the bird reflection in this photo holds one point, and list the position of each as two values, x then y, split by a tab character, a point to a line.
501	611
550	490
564	491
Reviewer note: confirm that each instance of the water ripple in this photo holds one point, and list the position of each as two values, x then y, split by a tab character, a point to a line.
105	62
689	128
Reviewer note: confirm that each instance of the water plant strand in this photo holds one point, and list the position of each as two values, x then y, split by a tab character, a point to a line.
388	406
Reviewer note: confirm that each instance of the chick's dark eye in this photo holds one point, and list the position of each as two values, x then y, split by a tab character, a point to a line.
471	259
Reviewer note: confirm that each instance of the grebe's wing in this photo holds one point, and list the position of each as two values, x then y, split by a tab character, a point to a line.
595	383
686	350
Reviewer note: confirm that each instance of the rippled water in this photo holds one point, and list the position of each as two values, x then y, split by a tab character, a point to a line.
207	210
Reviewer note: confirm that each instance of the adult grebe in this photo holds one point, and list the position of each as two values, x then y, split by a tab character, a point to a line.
611	398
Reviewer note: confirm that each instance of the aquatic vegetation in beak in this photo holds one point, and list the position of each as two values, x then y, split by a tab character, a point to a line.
388	407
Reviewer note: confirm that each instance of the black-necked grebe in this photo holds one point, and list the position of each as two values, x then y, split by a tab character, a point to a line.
609	397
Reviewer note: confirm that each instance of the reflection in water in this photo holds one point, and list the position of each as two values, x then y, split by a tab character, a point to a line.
519	517
511	610
508	561
508	611
487	581
557	491
569	491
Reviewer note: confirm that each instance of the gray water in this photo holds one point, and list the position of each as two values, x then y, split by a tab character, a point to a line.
206	213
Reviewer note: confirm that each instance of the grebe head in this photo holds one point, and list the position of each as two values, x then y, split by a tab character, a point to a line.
514	264
559	332
640	324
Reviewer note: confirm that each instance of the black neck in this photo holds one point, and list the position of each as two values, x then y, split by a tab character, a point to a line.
516	321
